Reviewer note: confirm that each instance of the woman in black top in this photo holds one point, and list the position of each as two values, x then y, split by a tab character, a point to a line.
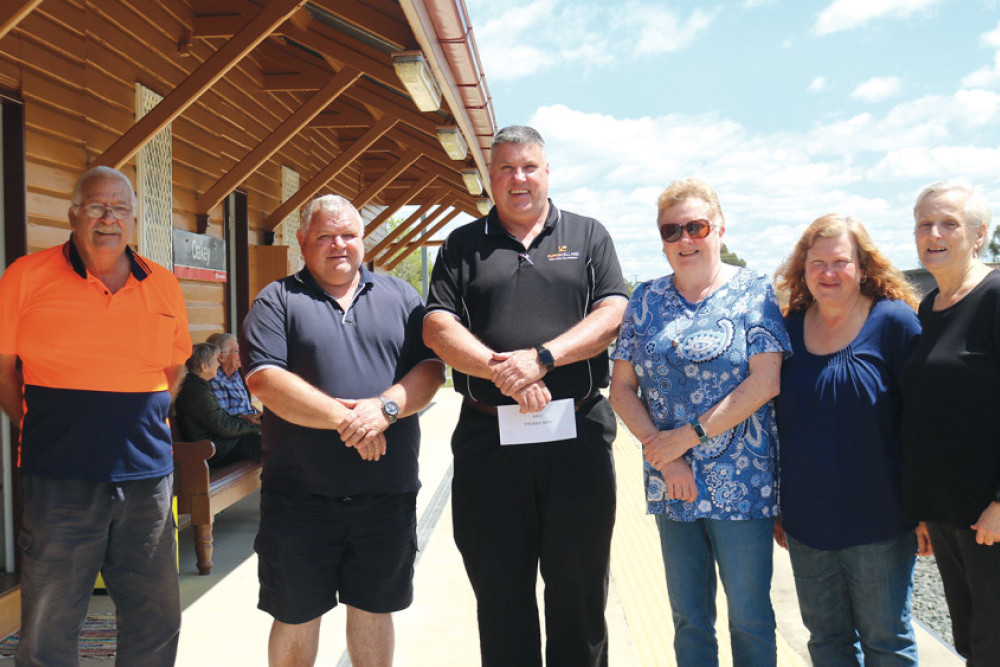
951	394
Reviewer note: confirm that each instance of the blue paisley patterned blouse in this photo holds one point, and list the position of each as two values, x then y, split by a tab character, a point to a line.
688	357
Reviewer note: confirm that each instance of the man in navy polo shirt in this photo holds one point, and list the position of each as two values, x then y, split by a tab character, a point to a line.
523	305
335	354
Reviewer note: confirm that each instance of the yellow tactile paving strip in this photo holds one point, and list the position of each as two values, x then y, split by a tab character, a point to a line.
637	568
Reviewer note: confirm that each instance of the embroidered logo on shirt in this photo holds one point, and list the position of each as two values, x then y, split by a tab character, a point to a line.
563	254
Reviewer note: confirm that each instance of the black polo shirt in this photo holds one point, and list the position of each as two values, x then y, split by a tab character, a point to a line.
512	298
358	353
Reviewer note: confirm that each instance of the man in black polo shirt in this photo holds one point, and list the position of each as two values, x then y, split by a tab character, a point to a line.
523	305
335	354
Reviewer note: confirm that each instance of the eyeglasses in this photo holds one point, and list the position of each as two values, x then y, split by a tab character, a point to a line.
696	229
98	211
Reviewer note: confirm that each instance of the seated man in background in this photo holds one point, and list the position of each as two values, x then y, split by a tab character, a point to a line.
228	383
201	417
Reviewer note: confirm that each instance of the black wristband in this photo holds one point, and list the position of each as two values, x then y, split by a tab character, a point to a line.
545	357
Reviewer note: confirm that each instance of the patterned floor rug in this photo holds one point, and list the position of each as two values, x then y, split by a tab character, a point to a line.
97	641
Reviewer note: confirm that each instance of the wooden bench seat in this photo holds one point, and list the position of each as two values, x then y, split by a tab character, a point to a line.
203	492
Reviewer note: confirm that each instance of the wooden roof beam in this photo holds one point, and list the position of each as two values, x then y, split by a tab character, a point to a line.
403	226
370	94
395	32
325	175
342	50
340	119
188	91
390	238
276	139
407	250
399	202
14	13
391	174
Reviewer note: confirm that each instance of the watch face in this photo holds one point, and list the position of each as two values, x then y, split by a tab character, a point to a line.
389	408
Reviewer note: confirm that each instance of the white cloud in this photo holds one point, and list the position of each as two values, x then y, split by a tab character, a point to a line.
849	14
662	31
771	184
516	41
985	77
817	85
878	88
991	39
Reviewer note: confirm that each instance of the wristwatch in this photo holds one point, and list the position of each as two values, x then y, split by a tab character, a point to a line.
390	409
699	430
545	357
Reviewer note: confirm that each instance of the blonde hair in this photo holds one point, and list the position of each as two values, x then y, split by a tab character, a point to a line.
880	278
691	188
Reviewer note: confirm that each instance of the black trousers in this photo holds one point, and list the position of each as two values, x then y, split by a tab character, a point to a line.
971	576
547	507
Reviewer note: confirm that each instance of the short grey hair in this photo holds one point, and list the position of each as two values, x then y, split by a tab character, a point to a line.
976	209
519	134
220	339
334	205
202	355
98	173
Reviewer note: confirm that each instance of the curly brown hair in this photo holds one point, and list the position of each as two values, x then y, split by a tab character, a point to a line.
882	279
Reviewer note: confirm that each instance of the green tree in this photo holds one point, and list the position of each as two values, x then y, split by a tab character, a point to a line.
410	269
993	249
729	257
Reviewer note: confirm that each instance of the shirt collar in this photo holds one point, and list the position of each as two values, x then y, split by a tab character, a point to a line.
495	228
140	270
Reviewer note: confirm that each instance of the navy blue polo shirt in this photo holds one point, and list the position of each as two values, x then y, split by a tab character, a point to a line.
514	298
358	353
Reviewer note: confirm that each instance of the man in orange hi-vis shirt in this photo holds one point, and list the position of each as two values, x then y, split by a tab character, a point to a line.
92	346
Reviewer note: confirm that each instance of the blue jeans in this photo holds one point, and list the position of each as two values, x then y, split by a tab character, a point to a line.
857	600
73	529
743	551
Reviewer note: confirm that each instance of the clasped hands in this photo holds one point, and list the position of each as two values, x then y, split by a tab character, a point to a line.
518	374
363	427
665	452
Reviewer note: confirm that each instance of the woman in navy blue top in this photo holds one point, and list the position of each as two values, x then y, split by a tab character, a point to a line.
852	324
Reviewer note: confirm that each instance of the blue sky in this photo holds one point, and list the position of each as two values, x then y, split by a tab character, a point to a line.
790	109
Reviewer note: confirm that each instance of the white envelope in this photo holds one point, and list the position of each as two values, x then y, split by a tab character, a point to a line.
556	422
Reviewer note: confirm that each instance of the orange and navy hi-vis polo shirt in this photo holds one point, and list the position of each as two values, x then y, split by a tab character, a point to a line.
95	392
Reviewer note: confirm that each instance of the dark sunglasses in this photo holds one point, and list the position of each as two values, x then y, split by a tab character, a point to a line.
696	229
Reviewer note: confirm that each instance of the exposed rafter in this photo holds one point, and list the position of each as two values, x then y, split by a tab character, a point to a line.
399	202
403	226
405	251
377	252
14	12
278	138
391	174
345	51
194	86
325	175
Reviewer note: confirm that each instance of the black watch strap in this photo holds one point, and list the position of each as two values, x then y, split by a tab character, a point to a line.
545	357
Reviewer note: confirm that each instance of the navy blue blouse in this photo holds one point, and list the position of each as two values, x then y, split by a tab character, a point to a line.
839	432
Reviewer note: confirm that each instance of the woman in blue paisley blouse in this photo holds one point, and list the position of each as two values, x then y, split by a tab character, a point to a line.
852	324
697	363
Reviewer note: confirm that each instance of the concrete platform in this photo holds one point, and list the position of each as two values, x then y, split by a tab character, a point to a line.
222	625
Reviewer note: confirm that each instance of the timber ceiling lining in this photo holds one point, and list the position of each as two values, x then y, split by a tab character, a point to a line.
256	64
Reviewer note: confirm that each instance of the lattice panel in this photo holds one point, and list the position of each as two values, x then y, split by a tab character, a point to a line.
154	181
290	225
369	213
